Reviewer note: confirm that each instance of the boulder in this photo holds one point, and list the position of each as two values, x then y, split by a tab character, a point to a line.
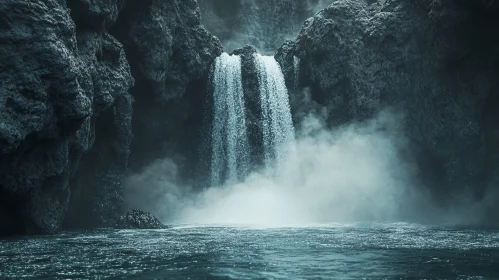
137	219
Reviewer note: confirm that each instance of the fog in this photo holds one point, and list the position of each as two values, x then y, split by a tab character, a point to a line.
358	172
263	24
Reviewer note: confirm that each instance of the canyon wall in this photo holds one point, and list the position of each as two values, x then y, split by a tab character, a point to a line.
93	89
67	100
436	63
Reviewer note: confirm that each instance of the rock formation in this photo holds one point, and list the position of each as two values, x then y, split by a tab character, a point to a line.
57	79
66	108
91	89
137	219
436	62
170	54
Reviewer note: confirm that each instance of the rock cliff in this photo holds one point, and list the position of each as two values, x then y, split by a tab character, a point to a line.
436	62
66	101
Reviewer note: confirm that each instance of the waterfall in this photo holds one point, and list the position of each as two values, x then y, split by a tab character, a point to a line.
296	69
277	125
229	137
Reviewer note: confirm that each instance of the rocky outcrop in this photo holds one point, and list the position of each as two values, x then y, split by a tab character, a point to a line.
170	53
56	79
97	187
66	110
436	62
137	219
264	24
251	89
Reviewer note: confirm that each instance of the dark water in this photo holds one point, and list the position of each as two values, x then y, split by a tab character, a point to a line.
353	251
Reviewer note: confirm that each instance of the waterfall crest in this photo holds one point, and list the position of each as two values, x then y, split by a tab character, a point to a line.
277	124
229	137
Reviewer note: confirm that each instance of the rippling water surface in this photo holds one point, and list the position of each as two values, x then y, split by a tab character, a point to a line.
347	251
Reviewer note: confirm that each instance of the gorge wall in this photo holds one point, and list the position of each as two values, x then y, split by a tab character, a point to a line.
67	121
434	62
93	89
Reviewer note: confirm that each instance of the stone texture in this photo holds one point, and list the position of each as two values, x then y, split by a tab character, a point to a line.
137	219
56	78
170	53
436	62
251	89
66	115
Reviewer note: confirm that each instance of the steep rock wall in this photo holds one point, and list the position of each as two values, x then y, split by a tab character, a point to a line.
66	106
170	53
56	79
436	62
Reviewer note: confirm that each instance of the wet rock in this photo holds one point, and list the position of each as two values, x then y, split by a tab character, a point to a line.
137	219
170	53
436	62
251	89
56	79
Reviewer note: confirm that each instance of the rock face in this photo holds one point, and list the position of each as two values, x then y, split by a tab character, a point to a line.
56	81
96	188
137	219
66	105
251	89
436	62
170	54
264	24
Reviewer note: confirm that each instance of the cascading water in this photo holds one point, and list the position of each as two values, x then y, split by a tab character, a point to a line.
229	136
296	70
277	124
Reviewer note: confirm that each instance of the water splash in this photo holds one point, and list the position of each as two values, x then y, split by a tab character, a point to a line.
277	124
230	157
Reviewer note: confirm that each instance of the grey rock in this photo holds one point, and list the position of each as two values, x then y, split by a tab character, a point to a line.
251	89
434	61
170	53
137	219
55	81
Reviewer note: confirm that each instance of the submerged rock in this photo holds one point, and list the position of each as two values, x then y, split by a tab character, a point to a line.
137	219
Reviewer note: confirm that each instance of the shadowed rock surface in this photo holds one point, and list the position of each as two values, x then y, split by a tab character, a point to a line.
92	89
137	219
66	110
170	53
436	62
56	80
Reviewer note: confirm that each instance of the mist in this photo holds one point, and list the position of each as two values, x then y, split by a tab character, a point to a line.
263	24
358	172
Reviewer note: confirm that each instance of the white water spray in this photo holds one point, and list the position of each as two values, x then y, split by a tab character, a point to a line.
277	124
229	135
